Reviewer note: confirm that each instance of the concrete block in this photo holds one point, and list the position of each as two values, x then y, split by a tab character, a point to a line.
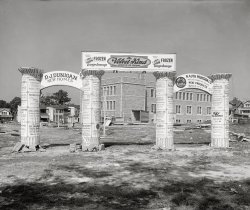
42	149
101	147
78	147
72	147
26	149
84	148
18	147
33	149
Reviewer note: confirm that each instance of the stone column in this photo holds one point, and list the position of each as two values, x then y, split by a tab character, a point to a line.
30	110
164	110
220	110
91	109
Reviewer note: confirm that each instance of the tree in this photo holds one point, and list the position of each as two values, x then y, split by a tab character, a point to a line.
61	97
4	104
47	100
58	98
14	105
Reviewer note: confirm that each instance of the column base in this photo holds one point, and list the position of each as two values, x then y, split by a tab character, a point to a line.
30	141
93	148
156	147
220	143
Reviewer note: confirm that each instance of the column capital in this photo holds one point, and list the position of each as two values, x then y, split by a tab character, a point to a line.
97	73
219	76
35	72
160	74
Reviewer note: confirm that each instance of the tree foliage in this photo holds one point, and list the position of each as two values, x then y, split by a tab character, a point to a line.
14	105
58	98
4	104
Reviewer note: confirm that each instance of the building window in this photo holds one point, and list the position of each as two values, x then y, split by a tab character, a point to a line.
183	94
189	109
152	92
189	121
191	96
210	98
179	95
114	90
176	95
107	90
204	97
198	121
153	108
178	109
110	105
198	97
208	110
178	121
199	110
104	91
111	90
187	96
207	97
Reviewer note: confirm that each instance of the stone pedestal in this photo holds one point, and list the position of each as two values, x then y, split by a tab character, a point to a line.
91	109
220	110
164	110
30	110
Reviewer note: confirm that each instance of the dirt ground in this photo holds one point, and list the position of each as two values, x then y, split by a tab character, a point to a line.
128	174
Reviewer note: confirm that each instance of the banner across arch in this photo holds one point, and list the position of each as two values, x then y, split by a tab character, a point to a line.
66	78
196	81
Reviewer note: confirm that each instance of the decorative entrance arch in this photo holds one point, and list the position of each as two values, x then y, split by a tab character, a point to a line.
163	67
218	86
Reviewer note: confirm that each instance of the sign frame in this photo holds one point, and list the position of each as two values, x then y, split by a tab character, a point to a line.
132	62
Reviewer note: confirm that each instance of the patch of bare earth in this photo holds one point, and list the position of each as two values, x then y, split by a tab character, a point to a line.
128	174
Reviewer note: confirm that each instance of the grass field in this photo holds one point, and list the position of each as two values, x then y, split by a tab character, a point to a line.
128	174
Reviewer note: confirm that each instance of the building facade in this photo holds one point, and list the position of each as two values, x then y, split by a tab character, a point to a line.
59	113
5	115
132	98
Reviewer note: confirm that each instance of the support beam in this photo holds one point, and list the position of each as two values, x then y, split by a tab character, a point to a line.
91	109
220	110
164	110
30	110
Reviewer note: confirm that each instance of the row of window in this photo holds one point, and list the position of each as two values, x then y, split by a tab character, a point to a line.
188	121
4	113
110	105
109	90
186	96
189	110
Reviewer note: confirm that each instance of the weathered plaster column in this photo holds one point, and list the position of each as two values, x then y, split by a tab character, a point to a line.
91	109
164	110
30	110
220	110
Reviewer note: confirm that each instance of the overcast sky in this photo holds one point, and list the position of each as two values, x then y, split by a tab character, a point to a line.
209	36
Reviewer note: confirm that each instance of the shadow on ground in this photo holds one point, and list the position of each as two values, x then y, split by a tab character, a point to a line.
197	193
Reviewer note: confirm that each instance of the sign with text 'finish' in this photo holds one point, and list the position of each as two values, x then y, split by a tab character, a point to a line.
128	62
196	81
61	78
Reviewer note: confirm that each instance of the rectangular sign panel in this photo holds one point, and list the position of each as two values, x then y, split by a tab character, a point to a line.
128	61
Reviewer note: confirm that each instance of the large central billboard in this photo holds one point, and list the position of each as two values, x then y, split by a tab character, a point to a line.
128	61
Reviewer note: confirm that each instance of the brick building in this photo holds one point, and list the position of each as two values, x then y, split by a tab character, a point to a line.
130	97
